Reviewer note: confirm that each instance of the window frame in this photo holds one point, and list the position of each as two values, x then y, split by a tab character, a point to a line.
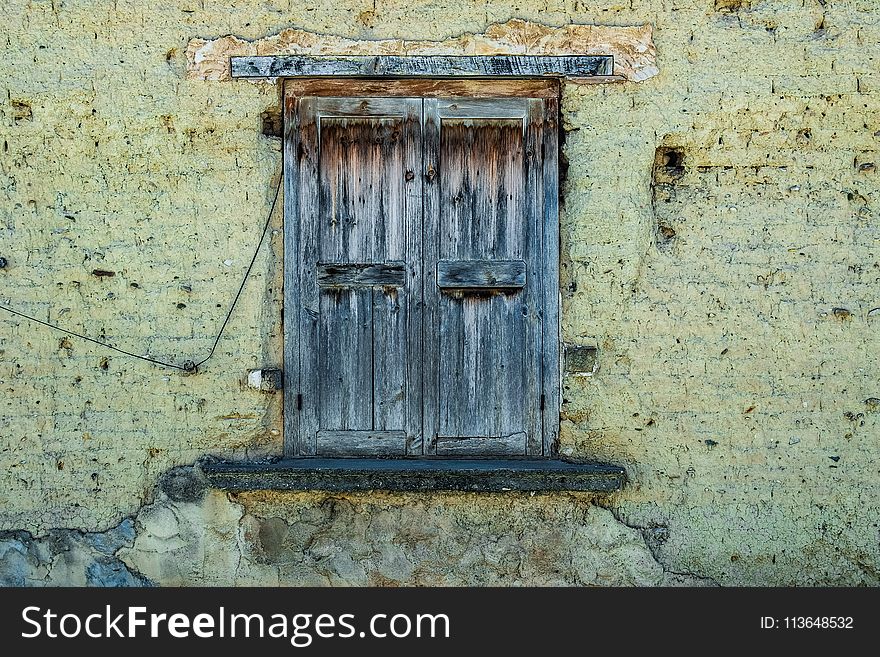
547	89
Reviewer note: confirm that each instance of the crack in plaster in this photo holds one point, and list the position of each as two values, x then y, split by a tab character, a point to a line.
652	548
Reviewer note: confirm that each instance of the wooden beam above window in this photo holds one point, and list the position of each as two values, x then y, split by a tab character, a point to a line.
476	66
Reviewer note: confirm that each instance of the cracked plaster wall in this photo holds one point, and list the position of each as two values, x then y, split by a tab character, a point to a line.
729	281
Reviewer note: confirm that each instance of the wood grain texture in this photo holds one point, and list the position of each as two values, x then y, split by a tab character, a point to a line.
532	308
304	222
359	443
345	360
278	66
354	214
413	226
384	190
430	253
481	274
510	445
293	437
481	215
361	275
478	108
550	352
424	87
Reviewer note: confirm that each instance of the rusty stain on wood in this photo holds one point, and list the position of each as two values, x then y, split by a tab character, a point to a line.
422	87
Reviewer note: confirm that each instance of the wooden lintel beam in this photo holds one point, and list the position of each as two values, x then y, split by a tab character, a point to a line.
491	66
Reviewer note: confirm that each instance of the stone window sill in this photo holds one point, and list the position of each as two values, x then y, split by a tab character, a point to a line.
360	474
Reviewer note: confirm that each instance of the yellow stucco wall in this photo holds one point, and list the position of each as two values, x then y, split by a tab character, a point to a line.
736	306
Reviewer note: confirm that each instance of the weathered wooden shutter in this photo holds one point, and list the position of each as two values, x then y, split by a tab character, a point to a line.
421	269
483	282
358	276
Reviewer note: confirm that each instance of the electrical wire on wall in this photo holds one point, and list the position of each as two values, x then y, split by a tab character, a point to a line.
189	365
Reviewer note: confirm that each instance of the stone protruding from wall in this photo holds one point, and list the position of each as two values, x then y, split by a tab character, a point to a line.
632	47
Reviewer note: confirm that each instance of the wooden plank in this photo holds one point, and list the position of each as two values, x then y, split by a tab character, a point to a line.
363	222
412	294
481	190
467	108
361	179
481	217
550	271
339	109
425	87
481	274
359	443
596	79
532	307
391	274
305	223
275	66
457	374
293	437
345	356
431	300
389	359
510	445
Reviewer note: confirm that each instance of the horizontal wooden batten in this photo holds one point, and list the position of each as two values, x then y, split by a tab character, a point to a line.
362	275
481	274
423	88
512	445
372	443
493	66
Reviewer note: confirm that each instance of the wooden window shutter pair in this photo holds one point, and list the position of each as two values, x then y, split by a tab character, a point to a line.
421	268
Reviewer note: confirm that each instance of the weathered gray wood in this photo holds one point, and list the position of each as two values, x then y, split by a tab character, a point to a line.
294	438
479	108
483	475
389	353
385	112
413	347
275	66
511	445
345	356
431	300
305	223
550	272
425	87
360	443
358	212
481	274
532	308
482	180
361	275
481	213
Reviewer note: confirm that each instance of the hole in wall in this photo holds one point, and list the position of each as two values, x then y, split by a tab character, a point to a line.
272	123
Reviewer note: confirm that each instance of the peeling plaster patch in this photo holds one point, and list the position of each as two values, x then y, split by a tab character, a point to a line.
385	539
194	535
65	557
632	47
